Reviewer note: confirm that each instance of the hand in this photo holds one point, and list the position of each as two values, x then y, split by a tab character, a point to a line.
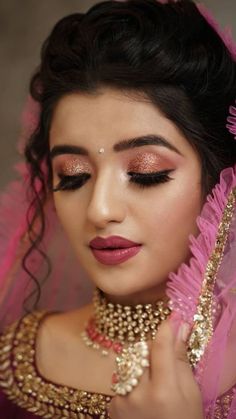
167	389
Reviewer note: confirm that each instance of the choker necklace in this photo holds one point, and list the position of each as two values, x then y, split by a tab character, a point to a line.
114	325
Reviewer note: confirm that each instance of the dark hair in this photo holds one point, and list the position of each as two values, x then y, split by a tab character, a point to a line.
167	52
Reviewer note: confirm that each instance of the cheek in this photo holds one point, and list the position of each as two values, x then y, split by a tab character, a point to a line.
173	216
70	213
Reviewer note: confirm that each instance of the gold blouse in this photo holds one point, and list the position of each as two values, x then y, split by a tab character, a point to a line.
22	383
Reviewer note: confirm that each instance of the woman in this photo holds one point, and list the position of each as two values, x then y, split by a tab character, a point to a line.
128	151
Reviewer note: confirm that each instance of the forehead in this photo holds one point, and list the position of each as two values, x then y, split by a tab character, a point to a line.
103	118
102	108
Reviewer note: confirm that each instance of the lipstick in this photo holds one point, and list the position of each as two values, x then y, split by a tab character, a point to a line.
114	249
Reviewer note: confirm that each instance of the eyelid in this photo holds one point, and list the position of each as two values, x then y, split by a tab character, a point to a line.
71	166
150	174
146	180
148	161
142	180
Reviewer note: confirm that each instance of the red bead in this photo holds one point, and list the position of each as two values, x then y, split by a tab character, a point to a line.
93	335
117	347
107	343
100	338
114	378
89	330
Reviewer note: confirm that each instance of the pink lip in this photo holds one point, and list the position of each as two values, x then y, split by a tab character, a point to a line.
113	249
112	241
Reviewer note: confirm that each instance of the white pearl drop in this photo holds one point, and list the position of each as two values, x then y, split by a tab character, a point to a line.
145	363
139	372
122	392
134	382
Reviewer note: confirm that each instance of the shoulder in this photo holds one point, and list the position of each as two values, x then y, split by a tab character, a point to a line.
31	340
20	380
19	333
58	338
17	343
21	386
58	331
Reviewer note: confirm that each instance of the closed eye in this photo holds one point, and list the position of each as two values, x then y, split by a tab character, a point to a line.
71	183
150	179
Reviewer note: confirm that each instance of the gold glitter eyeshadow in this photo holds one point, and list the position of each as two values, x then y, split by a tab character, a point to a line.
147	162
73	167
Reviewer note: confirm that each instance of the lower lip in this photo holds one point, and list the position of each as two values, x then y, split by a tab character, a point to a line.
115	256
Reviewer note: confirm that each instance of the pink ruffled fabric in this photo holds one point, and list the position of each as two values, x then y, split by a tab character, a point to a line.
216	372
187	281
15	283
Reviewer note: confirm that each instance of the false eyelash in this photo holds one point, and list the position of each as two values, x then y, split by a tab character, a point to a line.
71	182
141	179
149	179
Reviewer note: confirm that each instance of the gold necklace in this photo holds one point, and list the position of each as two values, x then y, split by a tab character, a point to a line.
114	325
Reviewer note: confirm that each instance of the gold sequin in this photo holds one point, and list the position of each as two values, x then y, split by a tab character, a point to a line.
202	327
223	405
23	385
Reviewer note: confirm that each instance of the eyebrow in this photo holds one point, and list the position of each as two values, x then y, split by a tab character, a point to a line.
121	146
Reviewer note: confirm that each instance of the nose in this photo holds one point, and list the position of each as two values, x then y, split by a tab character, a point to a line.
107	203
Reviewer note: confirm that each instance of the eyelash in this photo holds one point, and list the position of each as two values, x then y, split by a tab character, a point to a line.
143	180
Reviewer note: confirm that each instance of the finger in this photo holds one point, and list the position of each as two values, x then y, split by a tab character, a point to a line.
119	404
184	370
163	369
181	344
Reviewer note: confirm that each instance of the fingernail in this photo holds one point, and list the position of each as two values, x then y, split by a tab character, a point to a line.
183	333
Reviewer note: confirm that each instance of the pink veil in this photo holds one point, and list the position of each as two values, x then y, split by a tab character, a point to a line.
204	291
212	342
67	286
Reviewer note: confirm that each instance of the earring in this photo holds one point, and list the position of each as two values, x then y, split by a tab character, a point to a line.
231	125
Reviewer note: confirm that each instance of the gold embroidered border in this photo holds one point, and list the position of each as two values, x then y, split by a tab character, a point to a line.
21	383
202	327
223	405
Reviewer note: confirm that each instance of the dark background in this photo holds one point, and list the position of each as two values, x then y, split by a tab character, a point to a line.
24	24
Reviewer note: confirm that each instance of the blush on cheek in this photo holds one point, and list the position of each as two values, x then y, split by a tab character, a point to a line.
147	162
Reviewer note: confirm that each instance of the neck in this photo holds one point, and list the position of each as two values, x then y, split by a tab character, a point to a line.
149	296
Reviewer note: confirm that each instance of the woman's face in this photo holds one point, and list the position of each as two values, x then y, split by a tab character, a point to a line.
120	168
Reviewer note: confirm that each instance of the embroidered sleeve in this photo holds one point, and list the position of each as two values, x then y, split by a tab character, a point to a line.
22	383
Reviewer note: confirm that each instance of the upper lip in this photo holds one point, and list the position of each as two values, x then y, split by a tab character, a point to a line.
111	242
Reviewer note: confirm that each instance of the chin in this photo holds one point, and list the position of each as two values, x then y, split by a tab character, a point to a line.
122	291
